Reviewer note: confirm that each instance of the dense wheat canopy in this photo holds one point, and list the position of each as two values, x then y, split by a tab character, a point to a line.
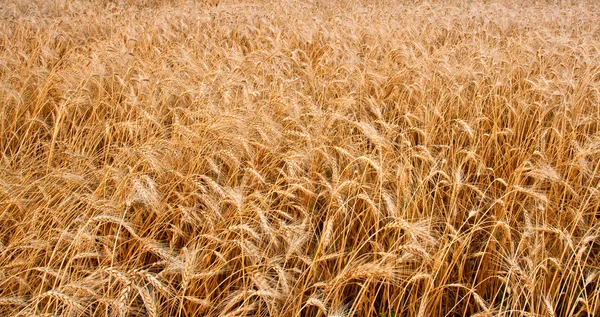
299	158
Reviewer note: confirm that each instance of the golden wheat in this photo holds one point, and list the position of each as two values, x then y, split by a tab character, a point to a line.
287	158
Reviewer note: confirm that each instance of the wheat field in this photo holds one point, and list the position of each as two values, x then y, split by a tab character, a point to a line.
299	158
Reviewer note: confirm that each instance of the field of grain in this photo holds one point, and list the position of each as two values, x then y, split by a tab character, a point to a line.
299	158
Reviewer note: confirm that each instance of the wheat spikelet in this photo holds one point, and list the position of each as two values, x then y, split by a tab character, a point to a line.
214	186
369	202
188	268
156	283
81	290
60	297
591	277
14	301
152	246
149	301
584	245
316	302
420	276
47	271
119	275
370	271
122	300
542	198
548	306
244	228
371	132
372	163
121	307
256	175
120	222
464	126
415	249
144	192
244	310
482	304
327	233
198	301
